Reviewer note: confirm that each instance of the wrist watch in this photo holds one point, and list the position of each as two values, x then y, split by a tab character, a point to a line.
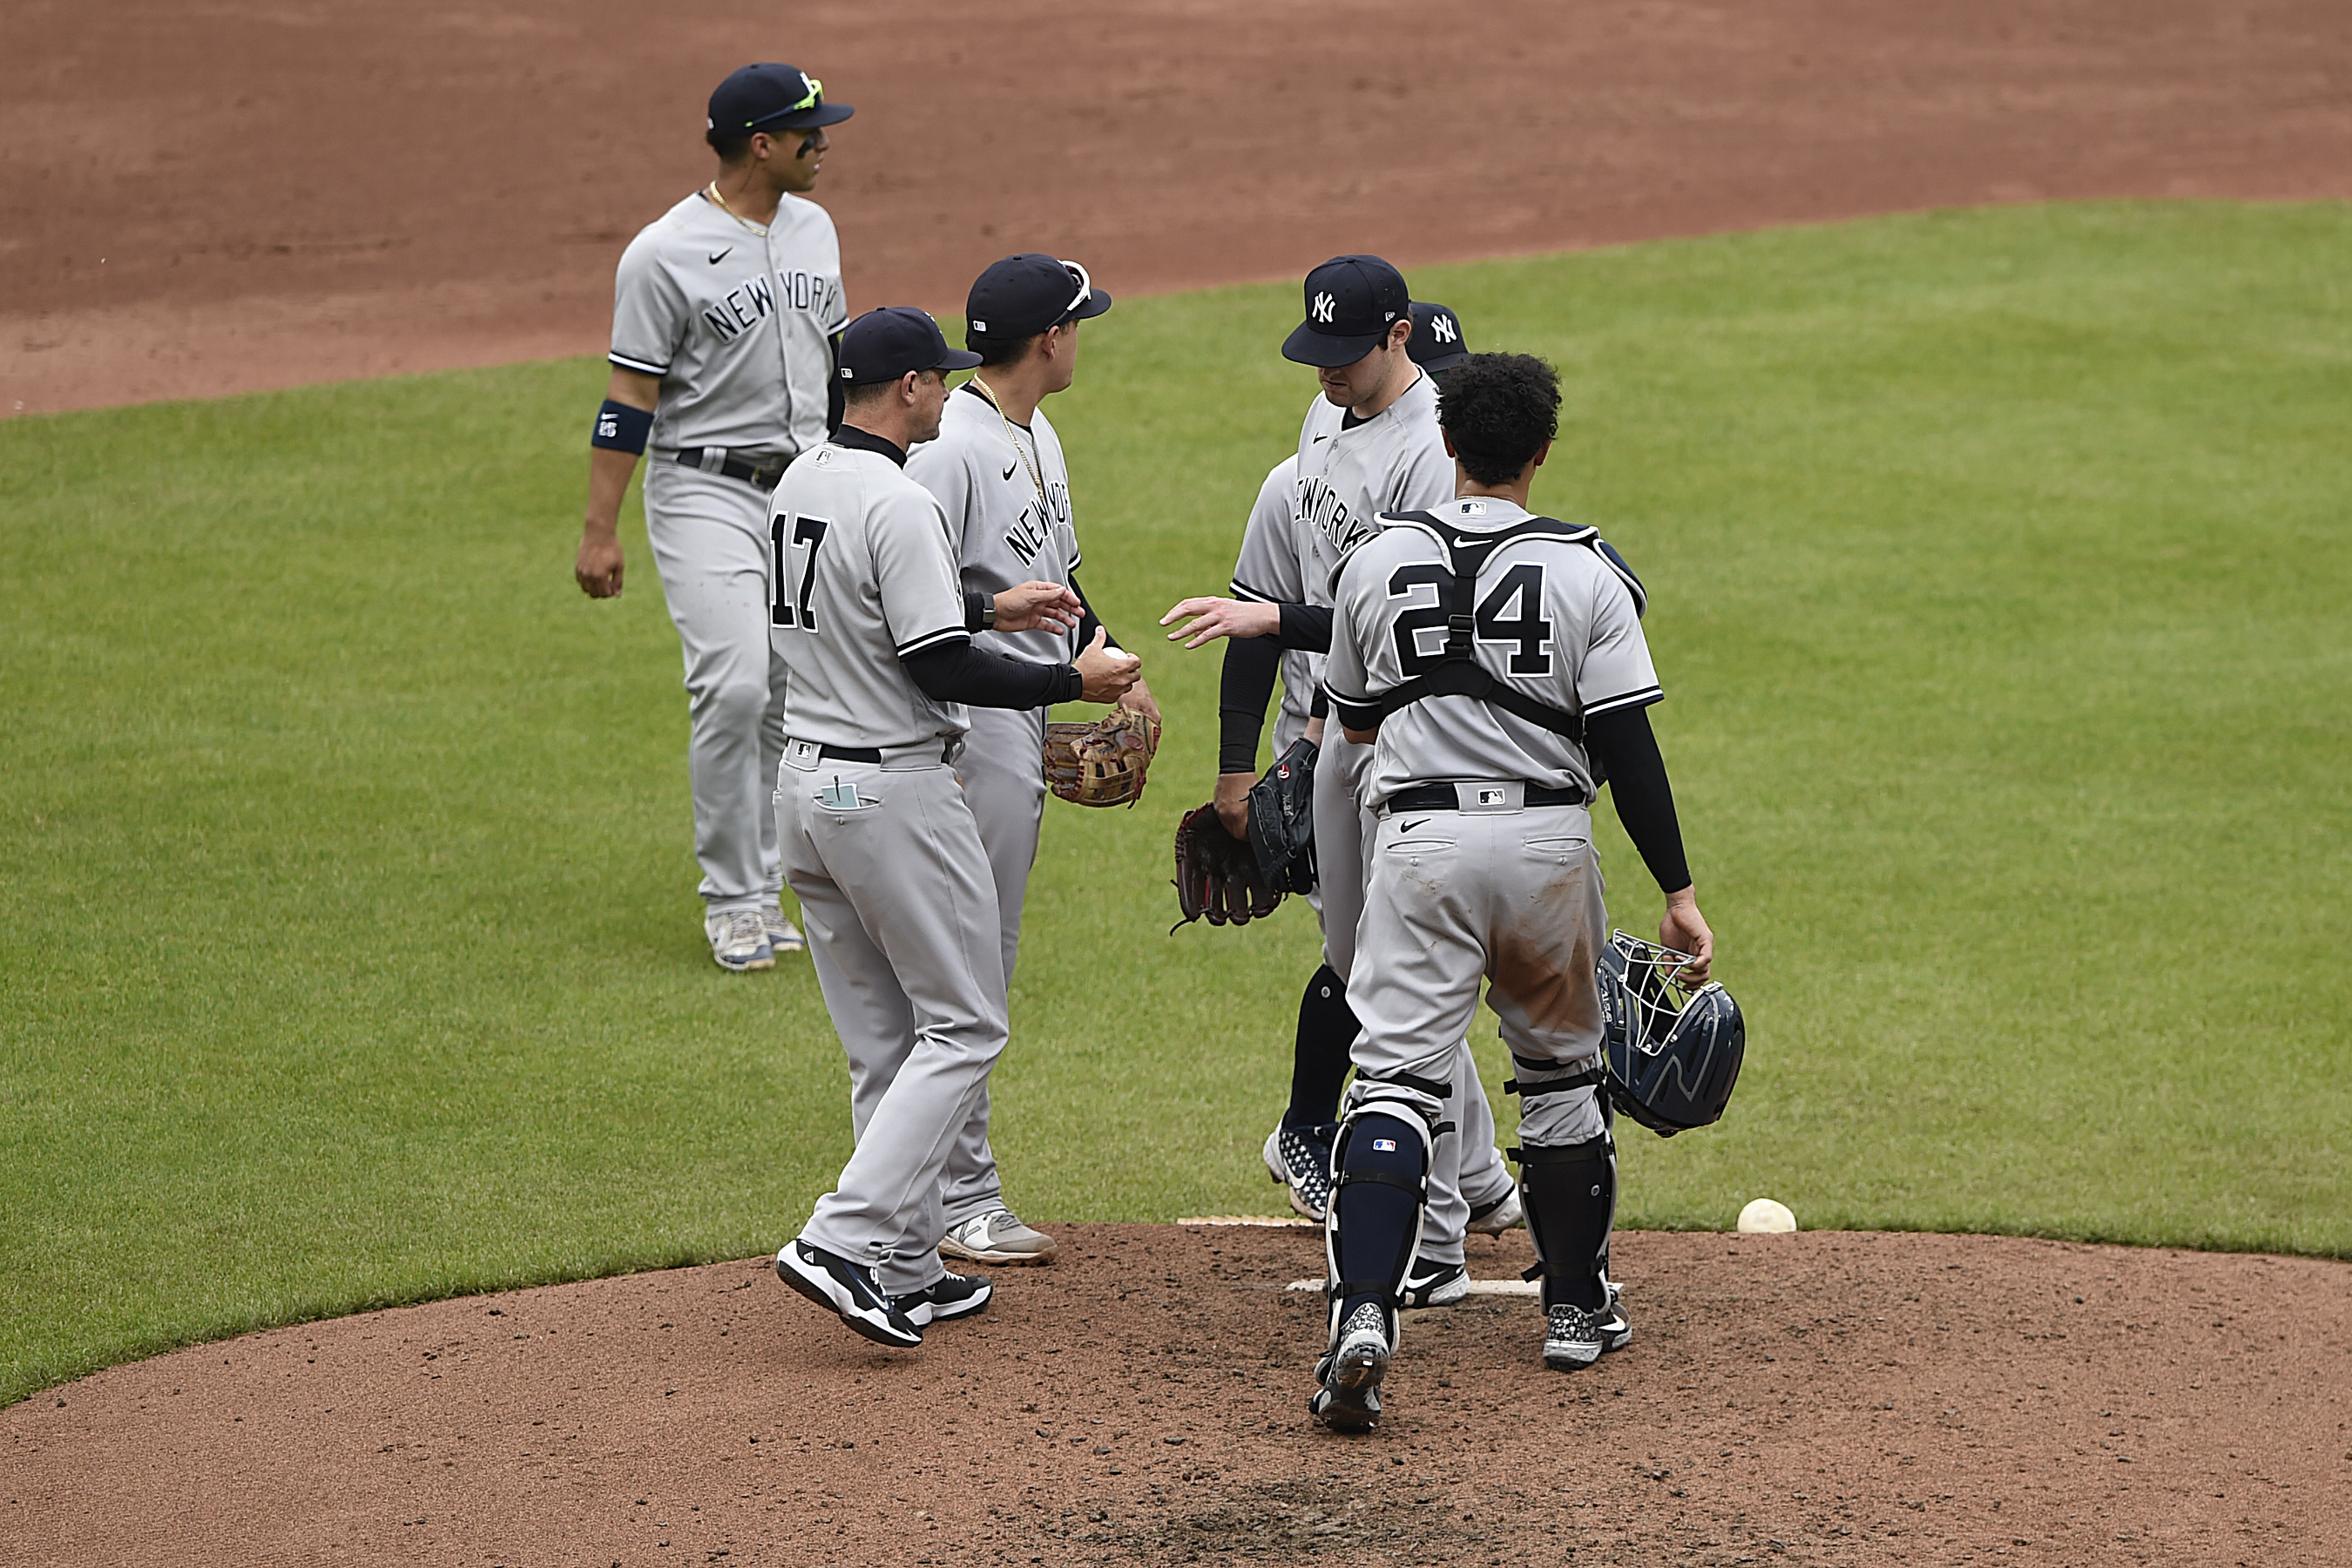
987	613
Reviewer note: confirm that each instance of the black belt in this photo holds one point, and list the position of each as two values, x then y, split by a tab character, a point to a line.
759	476
1442	798
849	754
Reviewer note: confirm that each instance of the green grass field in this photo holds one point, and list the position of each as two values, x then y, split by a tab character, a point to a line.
349	953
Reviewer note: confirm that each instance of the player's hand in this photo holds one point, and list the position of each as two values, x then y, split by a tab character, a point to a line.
1138	696
598	568
1108	672
1684	929
1208	619
1036	607
1232	802
1314	727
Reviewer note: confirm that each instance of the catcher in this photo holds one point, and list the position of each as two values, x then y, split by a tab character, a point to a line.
997	469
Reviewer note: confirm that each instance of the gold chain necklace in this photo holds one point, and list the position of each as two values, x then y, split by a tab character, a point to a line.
711	190
1036	467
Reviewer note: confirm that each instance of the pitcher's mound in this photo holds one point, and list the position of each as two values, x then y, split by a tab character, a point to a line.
1822	1397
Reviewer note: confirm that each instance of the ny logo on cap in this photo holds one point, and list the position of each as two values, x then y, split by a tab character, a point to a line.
1324	303
1443	329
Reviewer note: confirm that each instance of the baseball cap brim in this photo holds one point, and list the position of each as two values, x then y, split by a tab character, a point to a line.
824	114
1326	352
1441	363
1094	305
959	359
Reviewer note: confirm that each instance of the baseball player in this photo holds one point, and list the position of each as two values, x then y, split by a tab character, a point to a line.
1493	657
875	631
1369	444
998	472
723	315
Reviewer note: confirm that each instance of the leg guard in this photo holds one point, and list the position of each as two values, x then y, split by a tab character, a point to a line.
1570	1195
1319	1062
1380	1182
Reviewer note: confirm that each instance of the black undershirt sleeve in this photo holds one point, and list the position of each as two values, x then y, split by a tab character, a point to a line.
1251	666
1307	628
958	672
1623	743
975	606
1087	619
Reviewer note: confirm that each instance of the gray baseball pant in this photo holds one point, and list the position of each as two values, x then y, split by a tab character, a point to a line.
902	926
1514	896
1004	774
710	539
1465	1169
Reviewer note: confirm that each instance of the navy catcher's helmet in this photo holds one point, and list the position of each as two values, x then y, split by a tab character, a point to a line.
1672	1054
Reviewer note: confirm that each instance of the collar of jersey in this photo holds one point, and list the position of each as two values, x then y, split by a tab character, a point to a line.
857	440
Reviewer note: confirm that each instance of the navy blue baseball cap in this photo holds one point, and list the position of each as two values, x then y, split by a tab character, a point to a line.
1351	303
1436	342
772	98
884	345
1022	295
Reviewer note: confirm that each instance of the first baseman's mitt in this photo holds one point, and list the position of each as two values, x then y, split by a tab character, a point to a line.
1282	820
1101	764
1217	874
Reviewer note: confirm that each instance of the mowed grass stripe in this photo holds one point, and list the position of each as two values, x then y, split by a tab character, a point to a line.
348	947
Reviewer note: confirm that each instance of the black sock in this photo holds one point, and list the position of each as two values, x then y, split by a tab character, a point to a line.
1376	1221
1570	1198
1320	1061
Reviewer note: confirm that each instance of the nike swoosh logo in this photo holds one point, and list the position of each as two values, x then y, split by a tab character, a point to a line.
718	256
1010	467
1406	827
1318	438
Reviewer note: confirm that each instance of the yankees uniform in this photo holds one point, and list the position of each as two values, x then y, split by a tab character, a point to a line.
735	318
880	845
1347	472
1483	644
1270	570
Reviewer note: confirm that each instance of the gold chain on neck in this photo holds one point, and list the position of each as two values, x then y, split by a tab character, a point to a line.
1034	466
711	190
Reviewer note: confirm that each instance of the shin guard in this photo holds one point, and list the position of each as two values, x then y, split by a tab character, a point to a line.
1570	1196
1320	1061
1381	1184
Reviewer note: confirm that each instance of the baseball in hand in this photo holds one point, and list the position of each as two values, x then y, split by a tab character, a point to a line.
1767	1216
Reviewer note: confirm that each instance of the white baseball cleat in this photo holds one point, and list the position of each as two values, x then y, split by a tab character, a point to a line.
784	937
738	941
1496	1218
997	1236
1434	1285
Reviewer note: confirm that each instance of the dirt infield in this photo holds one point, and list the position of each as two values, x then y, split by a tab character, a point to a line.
1818	1398
197	200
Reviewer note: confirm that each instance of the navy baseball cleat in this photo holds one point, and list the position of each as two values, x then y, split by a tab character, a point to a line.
1300	1159
849	1288
1349	1399
949	1295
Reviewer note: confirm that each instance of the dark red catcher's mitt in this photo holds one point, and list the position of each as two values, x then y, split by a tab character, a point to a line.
1217	874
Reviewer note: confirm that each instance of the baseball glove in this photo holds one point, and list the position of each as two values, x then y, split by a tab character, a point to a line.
1101	764
1217	874
1282	820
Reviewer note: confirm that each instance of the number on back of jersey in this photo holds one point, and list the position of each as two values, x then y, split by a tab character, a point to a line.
788	591
1511	615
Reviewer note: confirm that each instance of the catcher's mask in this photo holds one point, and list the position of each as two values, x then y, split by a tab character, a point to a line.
1672	1054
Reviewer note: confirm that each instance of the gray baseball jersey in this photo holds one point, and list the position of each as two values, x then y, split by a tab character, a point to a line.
1349	472
1556	621
865	574
733	317
1270	570
1006	492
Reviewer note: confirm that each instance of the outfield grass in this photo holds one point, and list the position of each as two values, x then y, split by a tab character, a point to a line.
349	952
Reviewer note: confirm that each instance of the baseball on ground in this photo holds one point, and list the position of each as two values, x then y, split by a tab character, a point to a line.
1767	1216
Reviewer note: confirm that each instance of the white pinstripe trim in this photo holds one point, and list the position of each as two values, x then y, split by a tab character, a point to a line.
1243	591
933	639
640	366
1641	698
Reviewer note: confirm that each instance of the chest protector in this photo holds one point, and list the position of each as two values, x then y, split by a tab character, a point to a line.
1458	672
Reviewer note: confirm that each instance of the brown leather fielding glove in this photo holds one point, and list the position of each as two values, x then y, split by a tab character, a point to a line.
1104	762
